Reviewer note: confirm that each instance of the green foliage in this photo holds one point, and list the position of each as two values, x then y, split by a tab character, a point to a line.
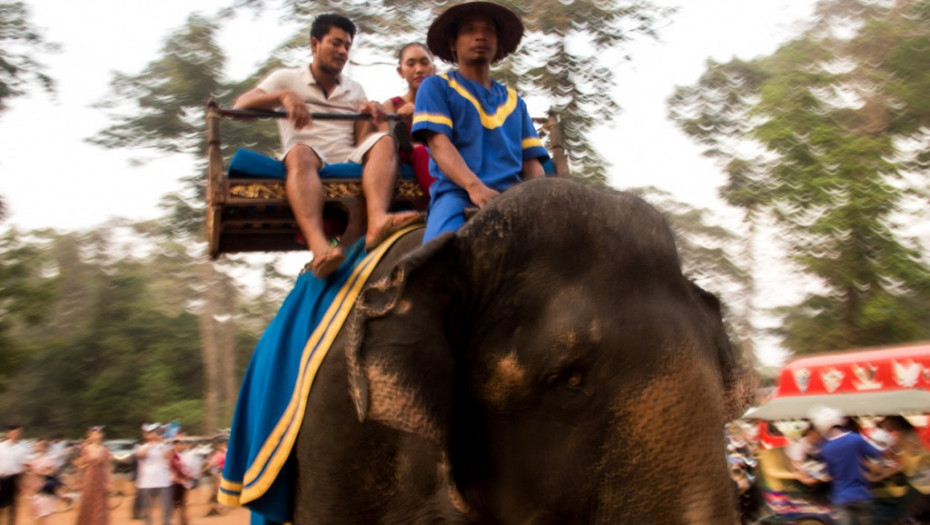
169	93
19	40
24	297
104	329
189	413
162	109
820	135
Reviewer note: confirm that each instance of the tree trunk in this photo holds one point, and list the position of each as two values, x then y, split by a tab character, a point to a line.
227	357
210	352
748	332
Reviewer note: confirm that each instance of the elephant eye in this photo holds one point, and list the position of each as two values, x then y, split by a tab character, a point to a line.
572	379
575	379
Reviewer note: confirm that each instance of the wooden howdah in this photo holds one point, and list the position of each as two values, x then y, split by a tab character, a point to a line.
253	215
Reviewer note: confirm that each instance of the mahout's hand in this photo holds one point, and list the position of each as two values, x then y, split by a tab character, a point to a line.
481	194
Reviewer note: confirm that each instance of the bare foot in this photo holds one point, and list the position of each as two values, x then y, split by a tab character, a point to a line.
391	224
326	262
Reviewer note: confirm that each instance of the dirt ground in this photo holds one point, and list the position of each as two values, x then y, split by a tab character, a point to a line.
197	509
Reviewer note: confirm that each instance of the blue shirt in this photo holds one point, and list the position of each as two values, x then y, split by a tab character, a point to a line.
490	127
844	456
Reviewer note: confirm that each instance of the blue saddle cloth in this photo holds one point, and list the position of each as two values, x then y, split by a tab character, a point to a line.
259	471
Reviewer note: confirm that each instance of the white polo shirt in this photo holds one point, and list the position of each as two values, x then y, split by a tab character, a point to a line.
153	471
334	140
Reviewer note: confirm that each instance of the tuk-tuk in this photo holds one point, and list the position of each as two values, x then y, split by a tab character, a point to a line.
865	384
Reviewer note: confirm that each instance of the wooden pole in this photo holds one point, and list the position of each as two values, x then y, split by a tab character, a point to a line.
216	181
556	145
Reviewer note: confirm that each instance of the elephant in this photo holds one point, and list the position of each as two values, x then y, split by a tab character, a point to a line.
549	363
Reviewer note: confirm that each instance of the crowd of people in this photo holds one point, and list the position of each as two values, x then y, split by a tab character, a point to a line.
839	465
52	475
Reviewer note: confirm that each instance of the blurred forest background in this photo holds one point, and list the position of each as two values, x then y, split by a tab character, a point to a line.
825	143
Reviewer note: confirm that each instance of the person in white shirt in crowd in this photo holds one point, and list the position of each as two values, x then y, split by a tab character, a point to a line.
153	478
59	450
14	455
194	461
804	455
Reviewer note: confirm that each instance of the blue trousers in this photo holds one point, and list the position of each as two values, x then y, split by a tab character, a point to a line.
446	213
447	210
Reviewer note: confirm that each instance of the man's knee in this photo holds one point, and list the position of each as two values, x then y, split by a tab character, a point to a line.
301	160
383	148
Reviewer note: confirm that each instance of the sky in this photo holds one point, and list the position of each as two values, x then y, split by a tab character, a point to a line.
51	177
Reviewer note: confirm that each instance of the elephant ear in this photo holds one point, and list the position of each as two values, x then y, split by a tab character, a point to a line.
399	355
738	381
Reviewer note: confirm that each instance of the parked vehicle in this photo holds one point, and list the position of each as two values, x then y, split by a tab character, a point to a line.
121	453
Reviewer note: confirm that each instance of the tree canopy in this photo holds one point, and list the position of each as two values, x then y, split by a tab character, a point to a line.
118	342
20	41
829	136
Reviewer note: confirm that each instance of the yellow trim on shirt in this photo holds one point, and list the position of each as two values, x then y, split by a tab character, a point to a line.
435	118
531	142
488	121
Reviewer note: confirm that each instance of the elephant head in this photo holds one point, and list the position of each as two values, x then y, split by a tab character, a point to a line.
556	354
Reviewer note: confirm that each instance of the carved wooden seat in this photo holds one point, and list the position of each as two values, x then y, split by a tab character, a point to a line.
251	213
248	214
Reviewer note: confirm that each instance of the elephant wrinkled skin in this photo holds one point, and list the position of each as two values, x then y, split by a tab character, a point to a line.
548	364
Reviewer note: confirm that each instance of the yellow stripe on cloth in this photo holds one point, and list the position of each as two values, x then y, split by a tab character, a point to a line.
228	492
277	448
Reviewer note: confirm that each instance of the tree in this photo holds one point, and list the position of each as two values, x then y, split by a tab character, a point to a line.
828	135
23	298
19	40
118	340
162	108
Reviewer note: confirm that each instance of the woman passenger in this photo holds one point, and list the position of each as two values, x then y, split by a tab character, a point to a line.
415	64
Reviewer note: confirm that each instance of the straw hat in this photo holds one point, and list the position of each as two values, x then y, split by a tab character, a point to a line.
509	28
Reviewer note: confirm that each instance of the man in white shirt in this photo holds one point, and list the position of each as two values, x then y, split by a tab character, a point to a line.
309	145
13	458
153	474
